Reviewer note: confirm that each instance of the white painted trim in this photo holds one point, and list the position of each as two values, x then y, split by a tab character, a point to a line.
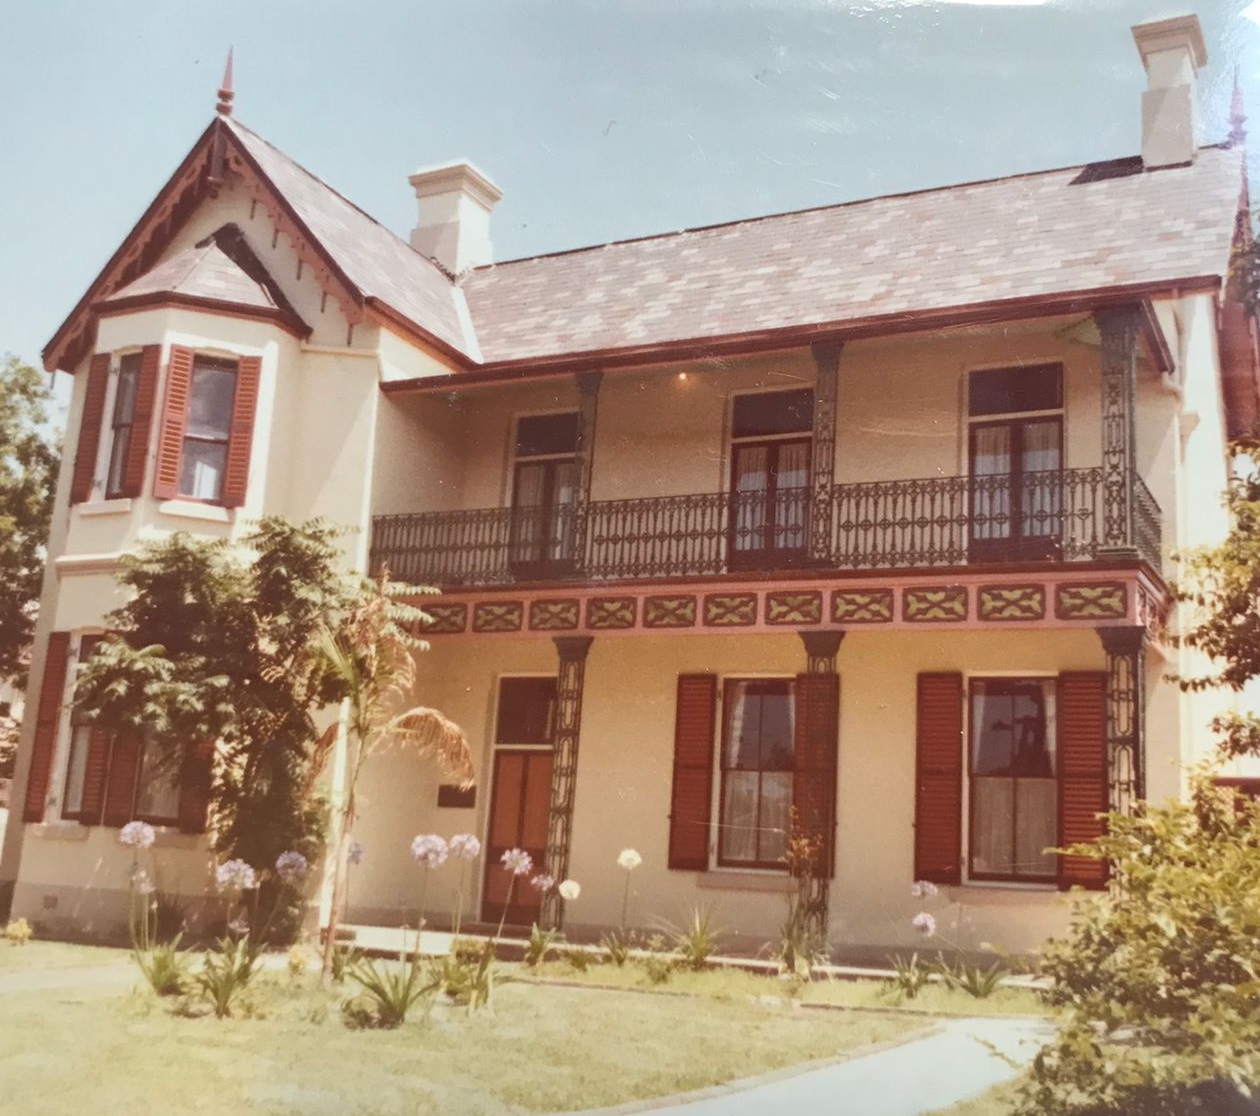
71	565
191	509
120	506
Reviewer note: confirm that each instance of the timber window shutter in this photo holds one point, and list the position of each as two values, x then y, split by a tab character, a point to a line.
120	785
938	779
241	438
90	422
194	794
48	718
815	762
1082	717
96	769
690	804
142	420
174	421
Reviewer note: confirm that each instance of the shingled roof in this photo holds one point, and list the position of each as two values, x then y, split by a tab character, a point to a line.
1055	233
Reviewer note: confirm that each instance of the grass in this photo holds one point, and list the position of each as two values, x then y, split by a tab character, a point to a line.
55	955
998	1101
543	1049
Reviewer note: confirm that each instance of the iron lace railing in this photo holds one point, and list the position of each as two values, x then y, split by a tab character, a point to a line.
1053	516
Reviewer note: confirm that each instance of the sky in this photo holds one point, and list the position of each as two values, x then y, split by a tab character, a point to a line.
599	119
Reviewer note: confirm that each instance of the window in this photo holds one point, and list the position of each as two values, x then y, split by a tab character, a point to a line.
544	489
125	387
1015	453
159	784
80	743
527	711
771	437
203	460
756	772
1013	770
207	427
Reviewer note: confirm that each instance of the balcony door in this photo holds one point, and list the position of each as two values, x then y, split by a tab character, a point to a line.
1015	458
771	446
544	495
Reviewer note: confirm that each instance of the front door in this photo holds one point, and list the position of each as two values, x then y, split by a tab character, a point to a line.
519	800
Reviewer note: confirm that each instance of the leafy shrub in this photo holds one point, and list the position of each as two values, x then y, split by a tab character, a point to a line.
658	968
226	973
578	960
803	943
979	981
344	955
164	968
1159	981
297	961
541	942
698	941
617	945
912	976
389	993
18	932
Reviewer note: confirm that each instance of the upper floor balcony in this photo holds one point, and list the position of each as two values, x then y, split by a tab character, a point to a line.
931	523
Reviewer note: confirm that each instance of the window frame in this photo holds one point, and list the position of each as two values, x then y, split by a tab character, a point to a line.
213	358
717	812
554	543
69	727
1049	683
109	454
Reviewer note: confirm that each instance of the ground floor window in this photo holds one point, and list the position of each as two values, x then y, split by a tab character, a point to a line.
756	766
80	741
159	783
1013	779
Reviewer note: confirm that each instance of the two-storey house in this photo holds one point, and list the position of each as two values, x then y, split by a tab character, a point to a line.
857	519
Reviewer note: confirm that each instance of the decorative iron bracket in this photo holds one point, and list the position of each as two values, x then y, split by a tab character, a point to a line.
1126	715
1118	330
823	454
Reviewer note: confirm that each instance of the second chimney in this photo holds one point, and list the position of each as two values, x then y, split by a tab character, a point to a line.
1173	52
454	225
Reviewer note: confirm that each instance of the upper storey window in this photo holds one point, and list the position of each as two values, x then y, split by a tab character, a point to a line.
203	461
122	423
114	425
544	490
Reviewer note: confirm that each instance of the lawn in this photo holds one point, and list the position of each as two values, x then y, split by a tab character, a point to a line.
54	955
998	1101
544	1048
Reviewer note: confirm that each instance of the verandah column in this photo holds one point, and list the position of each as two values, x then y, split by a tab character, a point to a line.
816	763
1119	332
573	651
823	462
1126	715
584	453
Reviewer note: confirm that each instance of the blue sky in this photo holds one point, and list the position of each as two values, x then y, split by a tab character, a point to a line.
600	119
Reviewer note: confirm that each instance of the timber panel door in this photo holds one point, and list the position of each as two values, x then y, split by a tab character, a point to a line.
519	799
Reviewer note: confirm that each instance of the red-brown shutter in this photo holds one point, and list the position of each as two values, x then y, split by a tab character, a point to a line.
1082	717
120	786
938	779
241	440
816	747
195	781
174	420
90	422
94	774
48	717
694	720
142	420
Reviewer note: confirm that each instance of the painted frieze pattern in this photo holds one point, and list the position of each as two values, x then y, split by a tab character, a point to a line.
605	614
862	606
1106	600
730	610
554	616
794	608
946	604
498	616
446	619
669	612
1012	602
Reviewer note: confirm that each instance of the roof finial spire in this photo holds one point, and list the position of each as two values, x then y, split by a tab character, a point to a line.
1237	115
224	107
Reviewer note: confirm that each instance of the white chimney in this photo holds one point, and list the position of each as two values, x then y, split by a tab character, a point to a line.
1173	52
455	204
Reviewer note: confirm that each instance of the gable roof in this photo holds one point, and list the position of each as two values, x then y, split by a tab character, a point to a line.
1082	229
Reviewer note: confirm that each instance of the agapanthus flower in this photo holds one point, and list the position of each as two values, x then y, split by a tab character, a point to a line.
464	846
629	859
429	849
291	867
239	925
355	853
570	890
543	882
517	861
235	873
923	889
137	834
924	923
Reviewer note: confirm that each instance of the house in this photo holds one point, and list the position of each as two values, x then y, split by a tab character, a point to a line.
859	515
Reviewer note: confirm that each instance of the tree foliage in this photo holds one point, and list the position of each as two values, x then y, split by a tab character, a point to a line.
28	475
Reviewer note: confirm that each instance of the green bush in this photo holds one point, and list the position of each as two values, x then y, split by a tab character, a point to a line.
1159	981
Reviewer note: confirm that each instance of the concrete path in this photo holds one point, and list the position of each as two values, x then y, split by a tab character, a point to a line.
957	1061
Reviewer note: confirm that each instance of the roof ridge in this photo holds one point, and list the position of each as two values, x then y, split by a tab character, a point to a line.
1224	146
233	122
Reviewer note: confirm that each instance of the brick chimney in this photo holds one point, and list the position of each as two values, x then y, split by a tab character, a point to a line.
1173	52
455	203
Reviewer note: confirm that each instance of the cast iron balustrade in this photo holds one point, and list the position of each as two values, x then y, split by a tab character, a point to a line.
1054	516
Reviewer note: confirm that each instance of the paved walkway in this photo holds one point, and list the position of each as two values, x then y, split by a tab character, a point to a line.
957	1061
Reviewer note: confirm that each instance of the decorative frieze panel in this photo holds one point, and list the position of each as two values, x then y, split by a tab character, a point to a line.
730	610
1012	602
669	612
498	616
446	619
794	608
947	604
1106	600
554	616
862	606
607	614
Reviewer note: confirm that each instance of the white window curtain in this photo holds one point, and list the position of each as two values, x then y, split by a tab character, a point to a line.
991	499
